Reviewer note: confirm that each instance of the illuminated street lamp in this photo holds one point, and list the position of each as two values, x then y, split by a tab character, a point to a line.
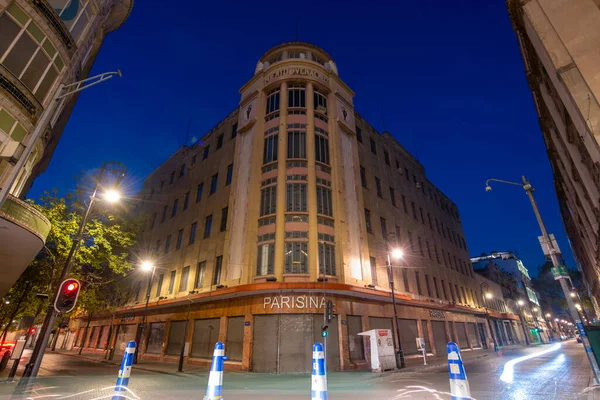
486	297
548	315
572	294
112	196
520	302
145	266
396	253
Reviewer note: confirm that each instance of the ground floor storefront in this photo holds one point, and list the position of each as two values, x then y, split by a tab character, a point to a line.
274	331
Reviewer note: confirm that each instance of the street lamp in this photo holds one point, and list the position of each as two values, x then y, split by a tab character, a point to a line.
486	297
397	254
558	266
145	266
112	196
521	303
32	367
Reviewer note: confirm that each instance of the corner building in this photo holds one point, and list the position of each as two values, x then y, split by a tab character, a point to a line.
292	189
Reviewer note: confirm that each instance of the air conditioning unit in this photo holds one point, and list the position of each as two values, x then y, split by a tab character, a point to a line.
418	185
322	109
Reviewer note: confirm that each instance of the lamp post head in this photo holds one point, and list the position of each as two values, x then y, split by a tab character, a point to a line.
535	309
147	266
548	315
520	302
112	196
488	295
396	253
572	294
488	188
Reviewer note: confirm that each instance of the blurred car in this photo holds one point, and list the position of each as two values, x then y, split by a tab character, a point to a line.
6	346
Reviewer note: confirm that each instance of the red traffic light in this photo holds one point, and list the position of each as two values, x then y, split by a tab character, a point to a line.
66	297
32	331
72	286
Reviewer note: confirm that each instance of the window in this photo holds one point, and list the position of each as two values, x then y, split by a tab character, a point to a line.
193	161
174	210
157	246
378	187
207	226
324	201
326	258
296	96
322	149
28	53
444	289
373	263
296	197
405	280
458	294
386	157
393	196
153	221
410	241
162	185
270	149
320	102
213	183
368	221
398	165
185	272
437	255
356	344
168	244
420	246
421	212
229	175
172	178
199	190
414	210
76	22
161	278
451	292
384	232
373	146
172	281
358	134
418	281
435	286
224	212
265	264
186	201
182	170
205	152
363	176
219	141
427	285
428	249
272	101
404	204
217	271
437	225
406	174
234	130
179	239
464	295
296	257
397	235
193	233
200	271
296	144
429	219
268	200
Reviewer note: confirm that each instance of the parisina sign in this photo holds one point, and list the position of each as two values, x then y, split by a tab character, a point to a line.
293	302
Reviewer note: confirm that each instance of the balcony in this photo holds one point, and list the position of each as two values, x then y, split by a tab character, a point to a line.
23	232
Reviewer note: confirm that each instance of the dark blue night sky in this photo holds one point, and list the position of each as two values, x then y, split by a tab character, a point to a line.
448	76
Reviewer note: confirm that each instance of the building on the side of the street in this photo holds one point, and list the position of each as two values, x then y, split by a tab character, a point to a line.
559	44
42	44
292	200
507	270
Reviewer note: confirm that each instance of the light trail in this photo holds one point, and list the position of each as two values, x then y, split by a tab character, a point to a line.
507	373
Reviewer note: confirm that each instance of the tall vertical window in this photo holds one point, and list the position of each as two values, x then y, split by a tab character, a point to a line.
384	231
296	96
157	246
404	204
421	212
27	52
358	134
153	221
224	212
458	294
320	102
326	258
393	196
179	239
207	226
213	183
270	148
324	201
386	157
186	201
430	222
373	146
296	144
368	220
265	264
451	292
172	178
174	210
217	271
200	271
76	21
182	170
219	141
405	280
444	289
167	244
428	249
272	101
234	130
296	197
363	176
435	286
378	187
193	233
414	210
161	278
268	200
437	255
172	281
427	285
397	235
410	241
199	191
420	246
322	149
296	257
229	175
205	152
373	262
418	281
185	273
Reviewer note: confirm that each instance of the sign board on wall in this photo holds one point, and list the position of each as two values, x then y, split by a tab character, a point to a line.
437	314
293	302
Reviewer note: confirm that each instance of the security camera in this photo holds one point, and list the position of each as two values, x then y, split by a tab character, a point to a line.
488	188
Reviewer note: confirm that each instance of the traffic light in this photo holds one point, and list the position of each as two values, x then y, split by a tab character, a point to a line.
330	310
324	329
67	295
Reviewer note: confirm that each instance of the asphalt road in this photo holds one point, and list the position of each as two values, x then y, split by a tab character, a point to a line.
558	374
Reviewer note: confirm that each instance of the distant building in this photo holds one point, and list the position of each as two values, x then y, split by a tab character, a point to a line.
559	44
42	44
294	187
507	270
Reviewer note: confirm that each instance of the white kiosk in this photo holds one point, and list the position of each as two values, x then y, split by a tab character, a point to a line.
382	349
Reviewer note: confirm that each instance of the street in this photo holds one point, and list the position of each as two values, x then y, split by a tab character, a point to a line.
557	374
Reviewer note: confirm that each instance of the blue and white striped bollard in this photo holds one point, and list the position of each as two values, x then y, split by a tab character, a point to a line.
214	390
459	384
124	371
319	375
